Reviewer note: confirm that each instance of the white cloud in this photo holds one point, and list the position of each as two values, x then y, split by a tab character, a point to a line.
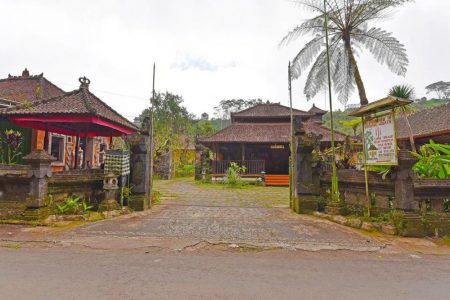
205	50
187	62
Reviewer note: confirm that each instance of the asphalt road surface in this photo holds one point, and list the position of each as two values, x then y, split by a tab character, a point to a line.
37	273
208	243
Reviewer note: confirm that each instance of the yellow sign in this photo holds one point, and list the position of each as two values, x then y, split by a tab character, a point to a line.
380	144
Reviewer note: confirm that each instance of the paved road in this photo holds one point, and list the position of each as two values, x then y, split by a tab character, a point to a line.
204	242
256	216
69	274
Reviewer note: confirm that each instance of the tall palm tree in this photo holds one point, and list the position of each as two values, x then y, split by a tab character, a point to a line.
349	33
405	91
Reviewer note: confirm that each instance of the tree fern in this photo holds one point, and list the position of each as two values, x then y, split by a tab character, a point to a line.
349	33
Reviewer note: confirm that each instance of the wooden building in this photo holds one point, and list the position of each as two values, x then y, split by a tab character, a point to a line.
50	118
258	138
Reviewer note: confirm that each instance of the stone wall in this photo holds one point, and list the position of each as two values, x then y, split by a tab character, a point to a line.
25	189
353	191
429	194
433	194
15	183
420	207
87	184
163	165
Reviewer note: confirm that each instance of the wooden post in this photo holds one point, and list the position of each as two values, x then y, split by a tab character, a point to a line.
243	164
77	146
85	146
110	140
46	138
216	156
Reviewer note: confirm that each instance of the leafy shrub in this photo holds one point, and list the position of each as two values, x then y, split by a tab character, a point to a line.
155	197
10	146
396	218
233	175
321	203
393	217
434	161
185	170
72	205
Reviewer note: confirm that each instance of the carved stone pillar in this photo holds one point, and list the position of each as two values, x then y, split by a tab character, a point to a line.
308	183
202	162
404	184
140	177
40	162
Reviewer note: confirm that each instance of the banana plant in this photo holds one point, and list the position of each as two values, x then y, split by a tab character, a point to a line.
434	161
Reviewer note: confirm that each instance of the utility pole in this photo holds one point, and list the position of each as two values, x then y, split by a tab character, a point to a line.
152	102
334	179
291	161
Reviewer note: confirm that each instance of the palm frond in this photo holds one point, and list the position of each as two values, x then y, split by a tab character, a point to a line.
311	5
343	75
347	25
312	26
305	57
404	91
385	48
317	77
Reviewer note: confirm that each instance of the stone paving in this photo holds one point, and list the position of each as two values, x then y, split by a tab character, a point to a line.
214	213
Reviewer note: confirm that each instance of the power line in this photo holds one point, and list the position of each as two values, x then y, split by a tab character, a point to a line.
109	92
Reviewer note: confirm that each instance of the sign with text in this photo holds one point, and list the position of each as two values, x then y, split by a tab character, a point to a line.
379	140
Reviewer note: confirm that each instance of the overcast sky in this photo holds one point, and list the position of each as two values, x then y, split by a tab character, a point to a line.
205	50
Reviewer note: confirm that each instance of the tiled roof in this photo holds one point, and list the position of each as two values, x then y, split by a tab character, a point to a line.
319	129
425	123
252	133
28	88
268	110
315	110
77	102
266	133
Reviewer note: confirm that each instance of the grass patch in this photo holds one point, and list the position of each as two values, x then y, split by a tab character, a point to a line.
11	245
222	186
23	222
445	241
67	226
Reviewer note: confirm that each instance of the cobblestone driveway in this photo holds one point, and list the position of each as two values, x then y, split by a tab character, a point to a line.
256	215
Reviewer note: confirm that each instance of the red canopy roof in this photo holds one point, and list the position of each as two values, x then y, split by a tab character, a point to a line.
76	112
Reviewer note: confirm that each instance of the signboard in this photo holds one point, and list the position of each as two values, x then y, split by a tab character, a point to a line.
379	140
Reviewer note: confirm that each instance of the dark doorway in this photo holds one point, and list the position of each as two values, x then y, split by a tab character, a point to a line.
276	156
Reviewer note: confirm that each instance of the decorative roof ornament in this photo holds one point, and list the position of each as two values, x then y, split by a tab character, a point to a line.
25	73
84	82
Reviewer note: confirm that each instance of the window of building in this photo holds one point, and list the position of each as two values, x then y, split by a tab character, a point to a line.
57	148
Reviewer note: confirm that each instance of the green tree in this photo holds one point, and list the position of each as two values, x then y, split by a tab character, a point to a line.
353	124
204	128
171	121
405	91
349	32
441	88
228	106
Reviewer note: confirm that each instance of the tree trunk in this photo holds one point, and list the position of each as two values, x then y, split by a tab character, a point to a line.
411	137
358	80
